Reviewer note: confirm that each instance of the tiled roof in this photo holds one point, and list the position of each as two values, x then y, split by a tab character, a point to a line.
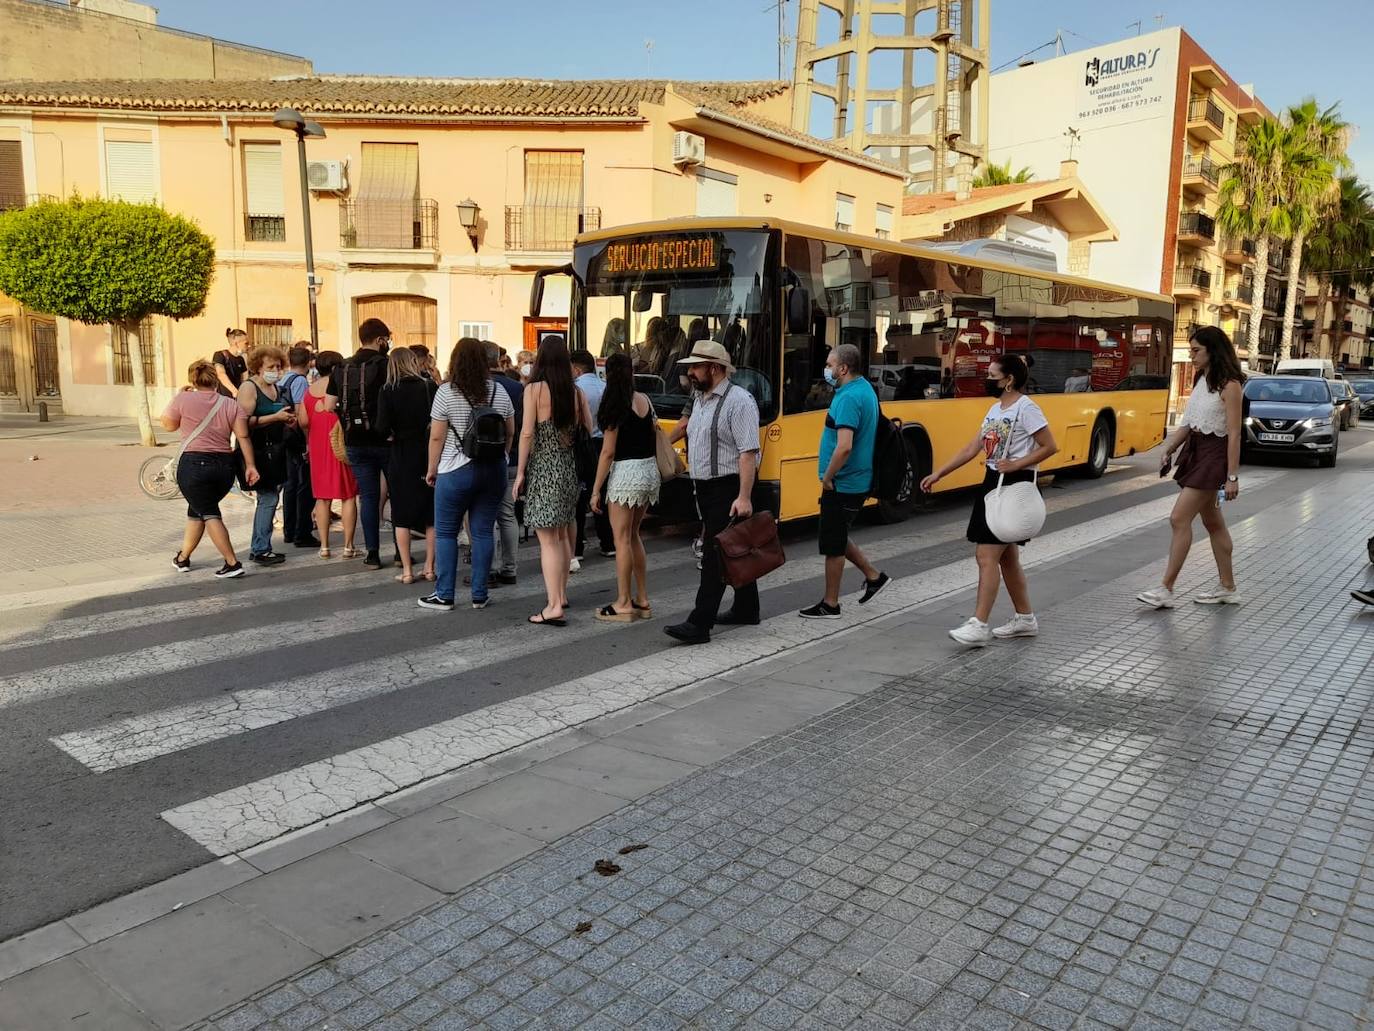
364	95
924	203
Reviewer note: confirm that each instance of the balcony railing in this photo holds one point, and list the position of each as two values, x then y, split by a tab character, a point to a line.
1245	293
264	228
391	225
1195	223
1192	276
541	227
1203	167
1200	109
13	201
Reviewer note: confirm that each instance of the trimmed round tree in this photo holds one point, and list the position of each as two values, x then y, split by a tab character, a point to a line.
107	262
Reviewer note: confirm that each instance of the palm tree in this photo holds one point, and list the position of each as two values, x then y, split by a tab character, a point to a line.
1327	134
1341	251
1001	175
1272	164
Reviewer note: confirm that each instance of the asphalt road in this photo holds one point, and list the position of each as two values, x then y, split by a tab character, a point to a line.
136	689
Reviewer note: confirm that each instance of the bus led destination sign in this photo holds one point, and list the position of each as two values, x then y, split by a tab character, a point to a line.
700	253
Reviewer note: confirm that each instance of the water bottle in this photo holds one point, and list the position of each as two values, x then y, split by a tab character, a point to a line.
1221	496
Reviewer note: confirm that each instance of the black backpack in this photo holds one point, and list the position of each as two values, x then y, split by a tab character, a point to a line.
893	476
484	440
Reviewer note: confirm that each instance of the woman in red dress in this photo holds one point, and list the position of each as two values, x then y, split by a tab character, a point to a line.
330	479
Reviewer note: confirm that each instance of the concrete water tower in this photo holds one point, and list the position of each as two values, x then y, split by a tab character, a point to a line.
928	117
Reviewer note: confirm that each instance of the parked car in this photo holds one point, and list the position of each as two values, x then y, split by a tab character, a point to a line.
1347	402
1290	415
1364	389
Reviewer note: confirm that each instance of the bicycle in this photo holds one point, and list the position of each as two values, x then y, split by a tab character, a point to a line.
157	477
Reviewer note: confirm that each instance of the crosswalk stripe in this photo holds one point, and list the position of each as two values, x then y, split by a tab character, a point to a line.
134	739
253	813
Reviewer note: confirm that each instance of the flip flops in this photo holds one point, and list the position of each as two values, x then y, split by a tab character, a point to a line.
539	619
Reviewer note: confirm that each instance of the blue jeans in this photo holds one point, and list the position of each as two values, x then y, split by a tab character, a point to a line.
369	461
262	520
475	491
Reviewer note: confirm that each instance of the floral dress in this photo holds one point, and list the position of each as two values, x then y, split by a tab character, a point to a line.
551	487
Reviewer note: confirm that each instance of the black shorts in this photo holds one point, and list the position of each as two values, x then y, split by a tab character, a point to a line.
838	511
978	531
204	478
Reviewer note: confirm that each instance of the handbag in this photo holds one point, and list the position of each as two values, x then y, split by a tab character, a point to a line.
1015	512
586	455
749	549
670	465
336	442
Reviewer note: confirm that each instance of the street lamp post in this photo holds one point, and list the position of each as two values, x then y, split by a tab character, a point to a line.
291	120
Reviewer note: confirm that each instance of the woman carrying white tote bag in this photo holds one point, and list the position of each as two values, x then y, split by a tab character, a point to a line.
1013	440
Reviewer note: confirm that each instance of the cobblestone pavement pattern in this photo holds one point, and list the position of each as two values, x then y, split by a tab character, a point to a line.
1154	820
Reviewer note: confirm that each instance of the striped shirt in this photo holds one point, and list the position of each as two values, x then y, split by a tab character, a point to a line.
737	431
452	407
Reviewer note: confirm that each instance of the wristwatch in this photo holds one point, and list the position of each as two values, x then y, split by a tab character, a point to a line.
1233	479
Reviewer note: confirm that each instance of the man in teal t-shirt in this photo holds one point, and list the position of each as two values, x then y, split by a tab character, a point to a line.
846	472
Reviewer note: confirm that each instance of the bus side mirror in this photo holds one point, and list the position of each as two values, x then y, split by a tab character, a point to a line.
537	287
798	311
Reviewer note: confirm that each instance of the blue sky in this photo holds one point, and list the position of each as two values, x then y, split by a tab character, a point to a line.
1325	53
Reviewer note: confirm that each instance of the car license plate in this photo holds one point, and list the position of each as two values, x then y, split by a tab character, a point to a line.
1277	438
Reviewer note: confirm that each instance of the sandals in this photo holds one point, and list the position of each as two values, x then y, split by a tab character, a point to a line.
324	552
608	614
352	552
404	578
430	575
641	611
539	619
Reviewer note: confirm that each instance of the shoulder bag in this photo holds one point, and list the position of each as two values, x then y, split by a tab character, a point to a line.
337	443
749	549
1015	512
670	465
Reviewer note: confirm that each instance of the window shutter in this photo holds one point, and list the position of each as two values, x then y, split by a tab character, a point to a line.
844	210
882	221
388	194
129	171
262	176
11	175
553	198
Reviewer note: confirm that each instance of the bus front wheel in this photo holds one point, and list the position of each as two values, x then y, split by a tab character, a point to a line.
900	508
1099	451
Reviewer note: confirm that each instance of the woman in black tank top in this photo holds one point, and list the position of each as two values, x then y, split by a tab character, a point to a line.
628	481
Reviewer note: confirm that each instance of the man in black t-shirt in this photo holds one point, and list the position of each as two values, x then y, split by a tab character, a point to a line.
230	364
353	394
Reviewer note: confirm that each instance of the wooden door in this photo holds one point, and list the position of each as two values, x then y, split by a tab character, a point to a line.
537	329
411	319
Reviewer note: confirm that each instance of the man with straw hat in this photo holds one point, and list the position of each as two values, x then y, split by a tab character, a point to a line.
723	458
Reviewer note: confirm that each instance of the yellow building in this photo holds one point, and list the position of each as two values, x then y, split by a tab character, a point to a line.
542	160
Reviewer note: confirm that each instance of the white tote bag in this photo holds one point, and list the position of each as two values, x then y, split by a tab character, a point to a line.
1015	512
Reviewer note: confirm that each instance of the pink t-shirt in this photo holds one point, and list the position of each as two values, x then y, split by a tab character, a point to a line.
194	405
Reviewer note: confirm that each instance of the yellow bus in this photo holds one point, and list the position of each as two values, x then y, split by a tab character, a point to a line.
780	295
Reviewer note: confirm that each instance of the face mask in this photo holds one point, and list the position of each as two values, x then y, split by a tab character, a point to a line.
994	388
527	370
829	375
271	376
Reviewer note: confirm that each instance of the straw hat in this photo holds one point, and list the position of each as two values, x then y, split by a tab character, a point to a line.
708	351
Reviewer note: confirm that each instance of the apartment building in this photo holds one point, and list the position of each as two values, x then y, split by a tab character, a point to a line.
1151	121
433	202
1341	330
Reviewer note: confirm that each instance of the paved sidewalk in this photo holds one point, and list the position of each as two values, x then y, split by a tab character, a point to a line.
1140	819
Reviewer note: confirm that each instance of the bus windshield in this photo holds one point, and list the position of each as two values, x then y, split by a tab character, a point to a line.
655	295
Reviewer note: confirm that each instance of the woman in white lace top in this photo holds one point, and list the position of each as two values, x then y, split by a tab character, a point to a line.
1208	442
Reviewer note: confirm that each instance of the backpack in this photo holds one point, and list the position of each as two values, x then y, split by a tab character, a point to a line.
893	477
484	440
352	418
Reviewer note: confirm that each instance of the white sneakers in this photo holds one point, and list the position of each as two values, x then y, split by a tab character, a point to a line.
1163	598
1023	624
1157	598
975	633
1218	595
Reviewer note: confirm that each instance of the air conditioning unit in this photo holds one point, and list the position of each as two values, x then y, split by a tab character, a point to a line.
327	176
688	148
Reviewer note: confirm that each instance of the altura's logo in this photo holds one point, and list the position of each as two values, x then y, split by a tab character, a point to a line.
1096	69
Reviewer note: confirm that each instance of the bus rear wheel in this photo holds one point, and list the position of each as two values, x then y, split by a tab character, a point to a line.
900	508
1099	451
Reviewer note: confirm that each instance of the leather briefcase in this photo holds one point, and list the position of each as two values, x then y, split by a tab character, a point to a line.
749	549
